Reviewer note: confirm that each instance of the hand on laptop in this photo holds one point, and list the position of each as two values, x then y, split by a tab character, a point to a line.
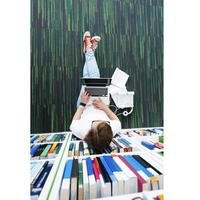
85	97
98	103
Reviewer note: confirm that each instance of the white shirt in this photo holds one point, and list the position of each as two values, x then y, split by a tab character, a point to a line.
81	127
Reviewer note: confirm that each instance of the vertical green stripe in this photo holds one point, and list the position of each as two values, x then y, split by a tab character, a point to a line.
132	39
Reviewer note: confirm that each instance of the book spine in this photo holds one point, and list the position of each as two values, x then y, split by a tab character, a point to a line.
65	185
80	181
141	182
34	149
45	152
74	180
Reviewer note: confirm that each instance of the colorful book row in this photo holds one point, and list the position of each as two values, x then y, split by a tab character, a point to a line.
145	132
118	145
152	145
39	174
103	176
41	138
45	151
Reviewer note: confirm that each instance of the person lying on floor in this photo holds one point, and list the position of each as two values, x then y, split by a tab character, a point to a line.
95	123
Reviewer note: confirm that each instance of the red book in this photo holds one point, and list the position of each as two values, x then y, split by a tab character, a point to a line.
96	171
142	184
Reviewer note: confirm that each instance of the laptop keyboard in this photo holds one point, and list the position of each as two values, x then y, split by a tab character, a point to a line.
97	91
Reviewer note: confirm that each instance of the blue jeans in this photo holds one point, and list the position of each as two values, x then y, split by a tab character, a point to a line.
90	69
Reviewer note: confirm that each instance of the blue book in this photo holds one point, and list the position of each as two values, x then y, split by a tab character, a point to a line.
34	149
68	169
36	192
107	150
117	173
39	183
65	187
137	166
71	146
116	165
148	145
89	166
44	176
114	182
125	141
34	138
112	164
112	177
39	172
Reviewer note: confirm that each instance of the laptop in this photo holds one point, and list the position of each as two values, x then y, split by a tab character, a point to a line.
98	88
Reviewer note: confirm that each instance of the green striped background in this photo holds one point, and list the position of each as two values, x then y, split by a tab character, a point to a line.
132	39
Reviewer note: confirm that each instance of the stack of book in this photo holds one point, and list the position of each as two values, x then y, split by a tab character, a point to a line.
68	169
150	139
39	174
47	137
44	151
149	131
149	195
106	175
119	144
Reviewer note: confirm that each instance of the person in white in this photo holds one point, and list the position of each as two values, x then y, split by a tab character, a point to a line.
95	123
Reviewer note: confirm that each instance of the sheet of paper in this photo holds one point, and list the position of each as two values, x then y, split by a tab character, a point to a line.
114	89
119	78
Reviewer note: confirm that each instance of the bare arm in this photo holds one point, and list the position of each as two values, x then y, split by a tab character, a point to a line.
78	113
102	106
84	99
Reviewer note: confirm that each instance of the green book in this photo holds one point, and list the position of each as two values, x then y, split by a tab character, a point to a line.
58	148
80	181
54	138
161	139
46	150
161	153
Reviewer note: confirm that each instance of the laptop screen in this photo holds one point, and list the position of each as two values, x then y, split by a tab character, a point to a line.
96	81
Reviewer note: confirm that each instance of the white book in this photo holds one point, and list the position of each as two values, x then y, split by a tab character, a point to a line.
133	185
65	189
36	170
98	188
76	148
122	180
155	163
86	150
92	187
151	185
49	138
143	175
85	180
152	171
102	186
34	197
159	177
92	182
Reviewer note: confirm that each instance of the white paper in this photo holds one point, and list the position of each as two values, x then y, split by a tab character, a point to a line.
119	78
114	89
